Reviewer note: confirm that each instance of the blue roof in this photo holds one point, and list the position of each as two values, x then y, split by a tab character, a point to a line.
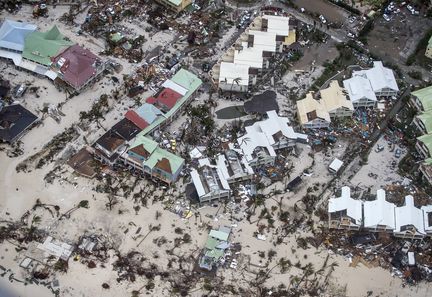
13	34
148	112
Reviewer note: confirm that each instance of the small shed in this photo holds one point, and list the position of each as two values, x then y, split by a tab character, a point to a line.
335	166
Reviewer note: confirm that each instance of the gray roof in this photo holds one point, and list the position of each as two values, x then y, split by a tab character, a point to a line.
13	34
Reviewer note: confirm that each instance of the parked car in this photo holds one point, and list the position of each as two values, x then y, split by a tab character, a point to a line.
398	153
379	148
322	19
386	17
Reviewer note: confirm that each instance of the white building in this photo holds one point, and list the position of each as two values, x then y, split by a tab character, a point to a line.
234	77
409	220
263	138
210	182
345	212
379	214
233	167
360	92
335	165
251	53
382	79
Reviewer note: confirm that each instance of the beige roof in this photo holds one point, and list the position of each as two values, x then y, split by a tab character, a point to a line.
309	104
334	97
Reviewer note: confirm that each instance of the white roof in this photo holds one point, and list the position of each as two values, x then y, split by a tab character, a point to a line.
358	88
14	56
273	124
251	140
380	77
409	215
210	180
197	183
13	34
230	71
264	41
426	210
242	169
345	202
336	164
175	87
195	153
249	56
277	24
379	212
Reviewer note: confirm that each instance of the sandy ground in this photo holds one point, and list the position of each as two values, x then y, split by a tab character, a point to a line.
19	192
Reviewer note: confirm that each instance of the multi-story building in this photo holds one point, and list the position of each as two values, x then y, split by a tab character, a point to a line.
145	157
345	212
243	63
210	182
382	80
360	92
422	99
379	214
77	68
424	145
330	103
263	138
409	220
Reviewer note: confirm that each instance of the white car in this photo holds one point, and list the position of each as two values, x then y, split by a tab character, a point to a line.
323	20
386	17
350	35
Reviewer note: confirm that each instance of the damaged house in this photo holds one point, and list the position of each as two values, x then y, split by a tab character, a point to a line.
263	138
330	103
210	182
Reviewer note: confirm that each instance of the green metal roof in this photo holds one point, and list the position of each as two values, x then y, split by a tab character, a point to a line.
425	97
40	47
426	119
428	161
187	80
427	140
175	2
149	144
219	235
115	37
215	254
211	243
158	154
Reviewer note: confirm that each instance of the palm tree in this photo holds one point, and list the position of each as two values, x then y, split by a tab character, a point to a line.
237	81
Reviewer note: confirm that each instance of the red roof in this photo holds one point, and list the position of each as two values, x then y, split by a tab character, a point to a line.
167	98
136	119
77	65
